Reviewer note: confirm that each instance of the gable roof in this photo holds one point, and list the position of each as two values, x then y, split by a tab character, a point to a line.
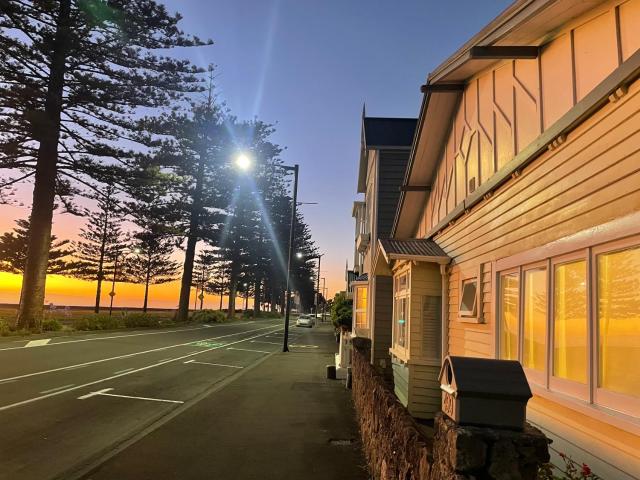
523	24
383	133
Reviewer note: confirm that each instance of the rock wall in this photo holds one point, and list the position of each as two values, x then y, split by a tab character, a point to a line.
396	448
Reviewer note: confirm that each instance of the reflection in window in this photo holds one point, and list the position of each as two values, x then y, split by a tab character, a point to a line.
534	319
361	307
469	297
570	321
619	321
401	321
509	292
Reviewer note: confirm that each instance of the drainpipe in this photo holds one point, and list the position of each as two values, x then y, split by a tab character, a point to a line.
444	328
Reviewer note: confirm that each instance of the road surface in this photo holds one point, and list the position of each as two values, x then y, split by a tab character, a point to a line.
66	403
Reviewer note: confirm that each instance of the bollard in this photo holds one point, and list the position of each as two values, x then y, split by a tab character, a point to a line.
349	378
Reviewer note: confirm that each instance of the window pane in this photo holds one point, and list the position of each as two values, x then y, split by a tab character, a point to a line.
361	320
535	318
361	298
401	321
619	321
570	321
468	300
509	293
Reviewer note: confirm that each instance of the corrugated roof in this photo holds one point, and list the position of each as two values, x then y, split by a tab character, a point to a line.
388	132
413	247
362	278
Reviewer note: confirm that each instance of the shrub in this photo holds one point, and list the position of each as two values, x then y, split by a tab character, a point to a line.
341	311
247	314
98	321
208	316
136	320
4	328
269	315
51	325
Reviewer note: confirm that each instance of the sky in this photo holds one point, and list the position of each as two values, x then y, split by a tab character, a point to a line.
308	66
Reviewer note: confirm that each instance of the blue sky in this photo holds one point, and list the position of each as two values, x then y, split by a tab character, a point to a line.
309	65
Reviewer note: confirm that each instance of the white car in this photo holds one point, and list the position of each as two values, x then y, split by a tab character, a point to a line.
304	321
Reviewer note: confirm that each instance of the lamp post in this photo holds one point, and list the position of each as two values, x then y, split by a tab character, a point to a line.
112	293
243	162
324	294
246	296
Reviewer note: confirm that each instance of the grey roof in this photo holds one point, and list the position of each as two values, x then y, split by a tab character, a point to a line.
362	278
414	247
388	132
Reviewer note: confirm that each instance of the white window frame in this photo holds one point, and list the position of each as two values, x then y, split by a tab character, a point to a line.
359	308
404	294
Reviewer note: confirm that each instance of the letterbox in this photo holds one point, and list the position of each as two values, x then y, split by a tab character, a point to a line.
484	392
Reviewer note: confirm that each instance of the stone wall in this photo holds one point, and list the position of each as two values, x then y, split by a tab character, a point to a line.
396	448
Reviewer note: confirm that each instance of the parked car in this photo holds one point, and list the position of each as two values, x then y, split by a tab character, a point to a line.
304	321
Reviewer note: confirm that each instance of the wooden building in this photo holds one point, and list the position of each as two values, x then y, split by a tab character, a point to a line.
385	147
525	172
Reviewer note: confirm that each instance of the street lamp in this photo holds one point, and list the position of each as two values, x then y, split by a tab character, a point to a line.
243	162
246	296
112	293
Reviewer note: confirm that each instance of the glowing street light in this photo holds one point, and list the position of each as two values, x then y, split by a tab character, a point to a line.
298	255
243	161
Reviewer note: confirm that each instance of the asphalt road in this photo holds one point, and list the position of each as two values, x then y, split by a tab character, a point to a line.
70	401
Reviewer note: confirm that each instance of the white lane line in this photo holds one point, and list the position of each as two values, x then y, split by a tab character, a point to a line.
37	343
7	381
165	359
93	394
214	364
103	393
270	343
128	355
57	388
247	350
123	371
93	339
112	377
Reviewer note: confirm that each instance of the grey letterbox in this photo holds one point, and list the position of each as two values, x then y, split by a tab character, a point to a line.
486	392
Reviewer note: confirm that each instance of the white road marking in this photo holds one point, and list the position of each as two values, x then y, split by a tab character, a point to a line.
214	364
93	339
93	394
57	388
165	359
302	346
270	343
247	350
37	343
7	381
123	371
112	377
104	393
128	355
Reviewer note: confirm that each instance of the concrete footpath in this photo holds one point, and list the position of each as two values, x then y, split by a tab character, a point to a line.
281	419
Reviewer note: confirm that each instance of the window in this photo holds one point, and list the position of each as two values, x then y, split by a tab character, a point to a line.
469	298
400	310
590	302
509	301
361	307
534	331
570	333
618	309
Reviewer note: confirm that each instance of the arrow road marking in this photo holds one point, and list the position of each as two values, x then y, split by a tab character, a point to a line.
214	364
104	393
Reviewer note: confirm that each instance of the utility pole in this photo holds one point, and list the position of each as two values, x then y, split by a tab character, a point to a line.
285	343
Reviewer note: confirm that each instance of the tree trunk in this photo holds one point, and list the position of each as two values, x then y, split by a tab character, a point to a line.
221	294
233	286
35	274
146	290
256	298
103	246
192	240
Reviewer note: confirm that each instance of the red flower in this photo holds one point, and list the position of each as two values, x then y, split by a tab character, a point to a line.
586	471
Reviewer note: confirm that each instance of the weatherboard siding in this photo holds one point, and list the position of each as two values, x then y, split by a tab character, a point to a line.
381	328
391	168
505	108
591	179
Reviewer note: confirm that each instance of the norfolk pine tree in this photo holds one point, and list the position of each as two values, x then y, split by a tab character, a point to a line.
72	75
